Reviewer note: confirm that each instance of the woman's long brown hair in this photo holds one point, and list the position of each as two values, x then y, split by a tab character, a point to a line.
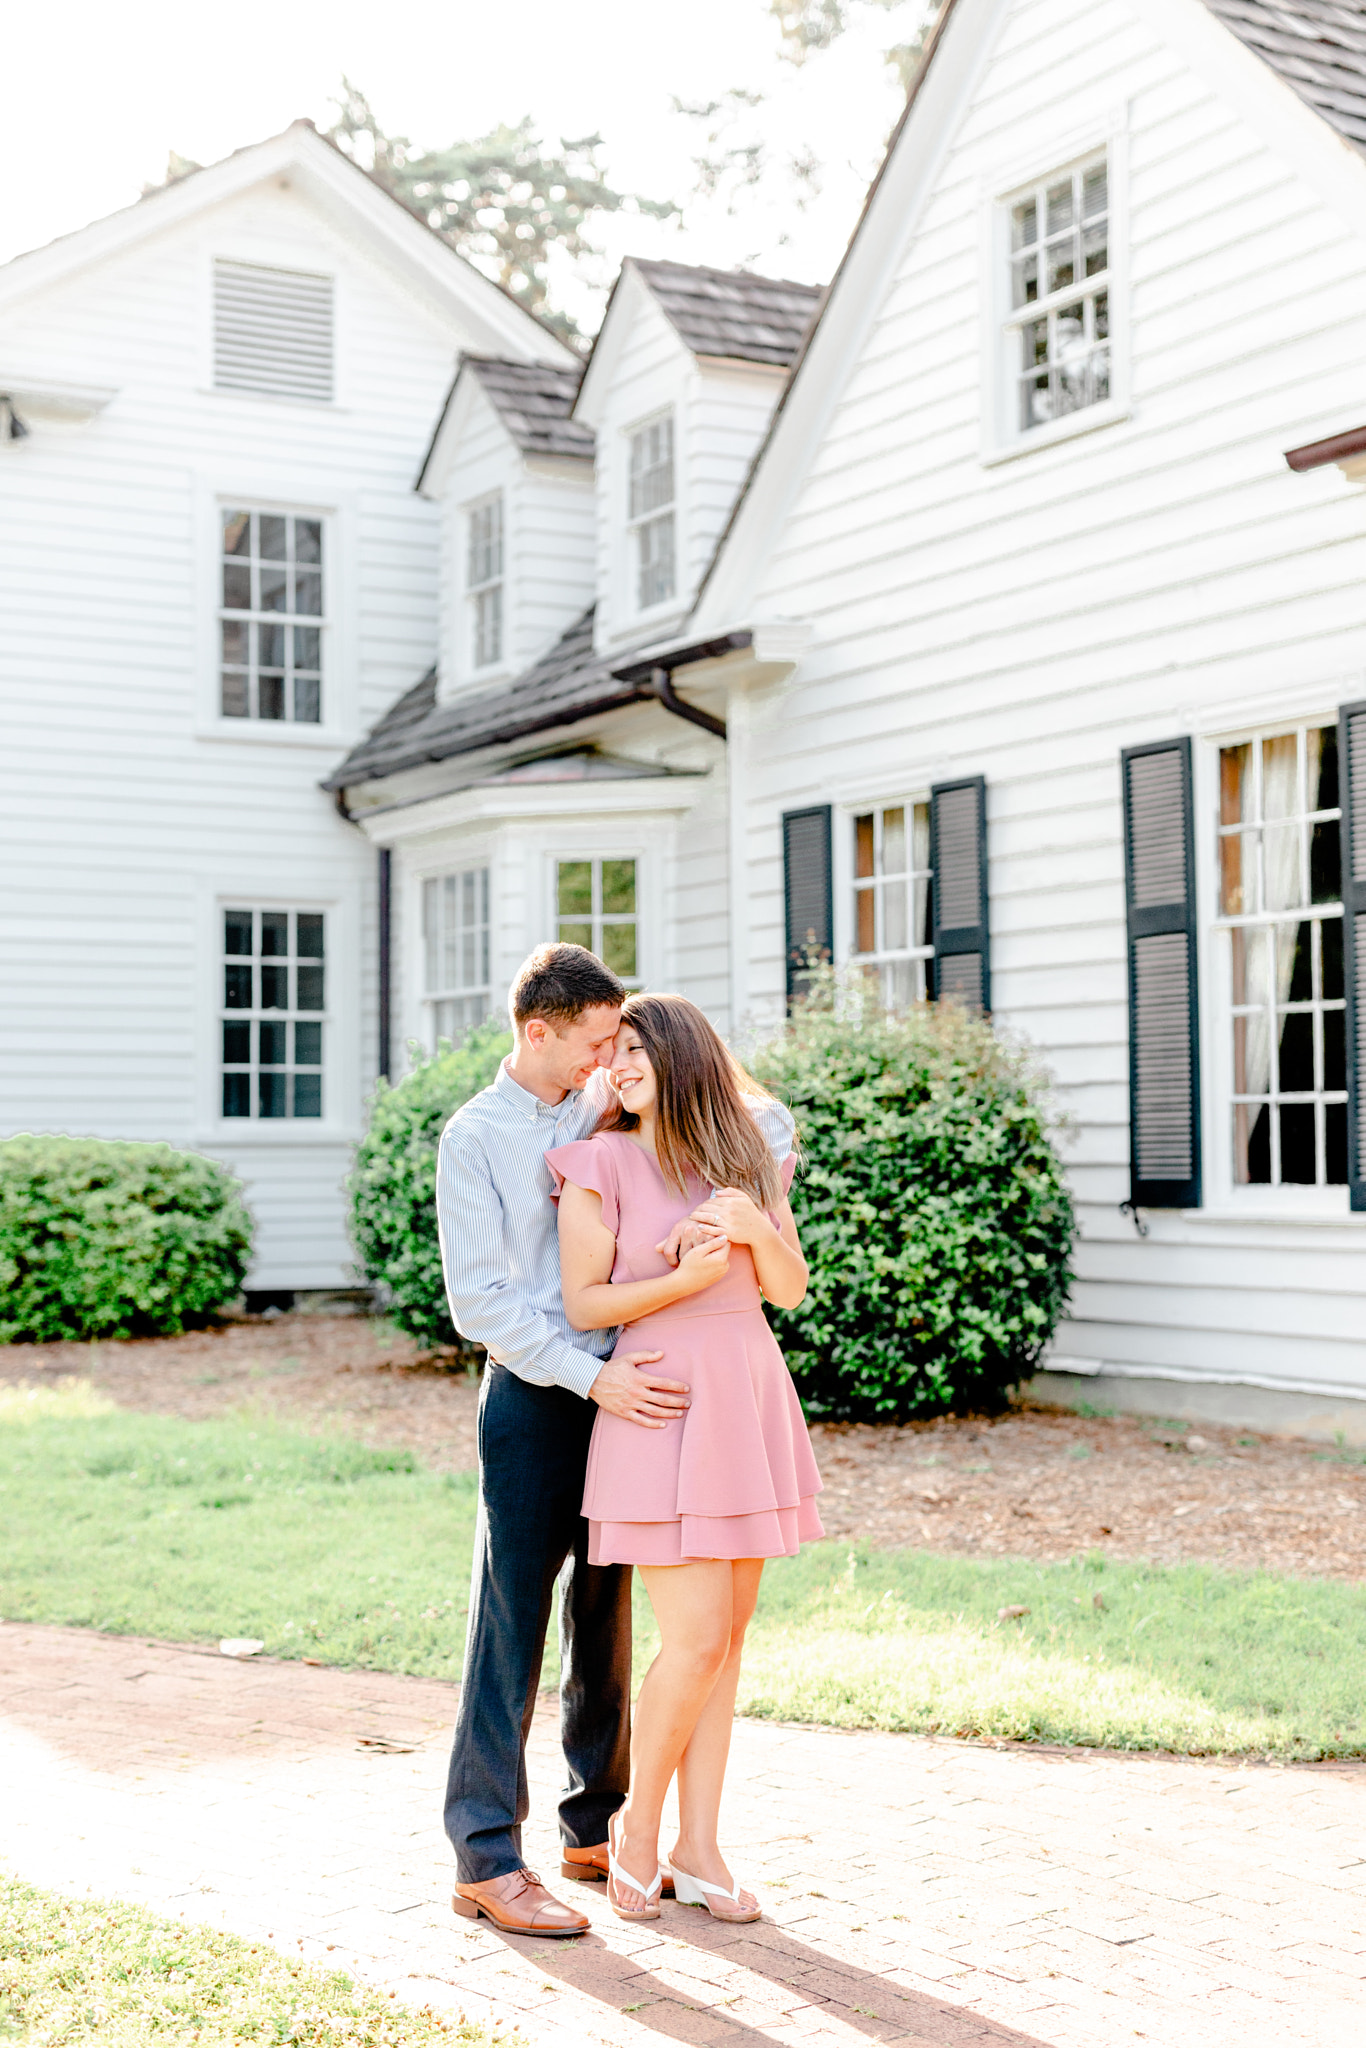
702	1122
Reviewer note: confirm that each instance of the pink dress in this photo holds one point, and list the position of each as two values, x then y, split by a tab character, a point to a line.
733	1477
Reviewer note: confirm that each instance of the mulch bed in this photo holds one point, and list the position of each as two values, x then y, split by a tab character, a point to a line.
1033	1482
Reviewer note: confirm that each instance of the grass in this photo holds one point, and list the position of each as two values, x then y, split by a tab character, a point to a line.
153	1526
83	1970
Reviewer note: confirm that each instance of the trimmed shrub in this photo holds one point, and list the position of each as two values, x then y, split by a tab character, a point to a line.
104	1239
931	1205
393	1184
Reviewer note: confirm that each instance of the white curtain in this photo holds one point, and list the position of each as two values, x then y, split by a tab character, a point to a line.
1282	881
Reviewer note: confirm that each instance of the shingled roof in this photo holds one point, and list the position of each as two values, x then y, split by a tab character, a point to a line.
568	684
534	401
1318	48
732	312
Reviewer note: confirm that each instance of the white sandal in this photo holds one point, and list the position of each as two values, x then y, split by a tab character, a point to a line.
692	1891
649	1892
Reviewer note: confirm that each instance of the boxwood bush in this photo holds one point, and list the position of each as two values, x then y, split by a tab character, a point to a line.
932	1207
393	1184
104	1239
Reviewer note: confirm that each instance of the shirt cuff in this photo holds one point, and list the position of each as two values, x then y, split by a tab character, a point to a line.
579	1376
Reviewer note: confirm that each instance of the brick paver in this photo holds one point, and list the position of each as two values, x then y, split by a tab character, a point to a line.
924	1892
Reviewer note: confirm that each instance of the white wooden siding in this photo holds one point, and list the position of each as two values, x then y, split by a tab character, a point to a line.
1026	621
120	820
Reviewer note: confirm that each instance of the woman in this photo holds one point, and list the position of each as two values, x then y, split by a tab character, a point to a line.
699	1503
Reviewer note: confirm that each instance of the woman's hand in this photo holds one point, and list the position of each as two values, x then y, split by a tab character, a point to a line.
703	1265
735	1212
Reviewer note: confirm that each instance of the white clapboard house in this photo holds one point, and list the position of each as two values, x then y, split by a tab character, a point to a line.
1030	665
215	575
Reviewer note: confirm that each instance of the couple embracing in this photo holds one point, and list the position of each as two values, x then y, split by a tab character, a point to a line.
612	1209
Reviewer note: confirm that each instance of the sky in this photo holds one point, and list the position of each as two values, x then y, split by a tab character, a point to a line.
99	95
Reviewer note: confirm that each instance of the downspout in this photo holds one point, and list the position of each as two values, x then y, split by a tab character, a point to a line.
386	883
661	683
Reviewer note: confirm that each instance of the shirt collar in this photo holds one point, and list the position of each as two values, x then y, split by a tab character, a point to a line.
526	1104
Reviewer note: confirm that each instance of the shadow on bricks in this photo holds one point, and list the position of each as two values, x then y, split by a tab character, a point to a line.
798	1985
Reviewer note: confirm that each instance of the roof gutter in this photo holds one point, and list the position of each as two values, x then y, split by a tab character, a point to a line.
1340	448
658	670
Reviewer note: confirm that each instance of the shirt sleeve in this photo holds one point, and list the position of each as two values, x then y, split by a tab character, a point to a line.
775	1121
485	1306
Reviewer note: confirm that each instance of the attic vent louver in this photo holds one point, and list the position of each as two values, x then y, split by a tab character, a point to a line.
272	331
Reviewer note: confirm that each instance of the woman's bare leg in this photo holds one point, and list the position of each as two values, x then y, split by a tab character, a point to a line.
693	1605
702	1767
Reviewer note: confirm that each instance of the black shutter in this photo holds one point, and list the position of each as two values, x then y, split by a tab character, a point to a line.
1164	1058
958	856
1352	770
808	907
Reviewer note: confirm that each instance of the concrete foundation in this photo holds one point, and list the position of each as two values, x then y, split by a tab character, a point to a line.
1321	1418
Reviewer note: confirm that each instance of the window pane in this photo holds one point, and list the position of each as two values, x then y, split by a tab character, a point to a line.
1062	264
1332	959
274	988
575	887
1060	205
430	914
1297	1144
1252	1144
310	935
308	1045
236	1045
922	836
1280	776
308	540
618	885
1294	963
237	1094
273	543
863	911
308	1095
895	935
273	1094
307	648
271	697
1325	862
274	933
619	948
576	935
236	988
1095	190
307	700
1297	1053
1281	855
274	1045
234	695
1335	1144
1024	224
308	593
236	587
270	642
863	845
236	635
1323	768
274	588
894	842
237	931
1235	785
237	533
1024	280
1238	874
310	988
1095	252
1334	1049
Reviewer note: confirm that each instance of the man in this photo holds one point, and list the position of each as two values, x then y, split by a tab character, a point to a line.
500	1253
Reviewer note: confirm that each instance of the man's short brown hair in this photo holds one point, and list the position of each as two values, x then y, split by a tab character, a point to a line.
558	983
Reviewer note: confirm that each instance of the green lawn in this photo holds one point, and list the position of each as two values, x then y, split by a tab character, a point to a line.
199	1530
78	1971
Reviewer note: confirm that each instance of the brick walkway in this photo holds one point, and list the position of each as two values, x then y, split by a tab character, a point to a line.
924	1892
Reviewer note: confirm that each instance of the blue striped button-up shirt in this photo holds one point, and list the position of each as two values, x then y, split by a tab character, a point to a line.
499	1243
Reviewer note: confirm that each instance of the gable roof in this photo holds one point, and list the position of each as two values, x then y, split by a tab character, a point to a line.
534	401
493	318
732	313
1316	46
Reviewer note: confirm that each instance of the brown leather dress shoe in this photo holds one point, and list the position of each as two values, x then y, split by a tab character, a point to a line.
520	1904
590	1866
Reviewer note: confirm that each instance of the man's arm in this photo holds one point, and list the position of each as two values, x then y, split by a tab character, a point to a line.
485	1306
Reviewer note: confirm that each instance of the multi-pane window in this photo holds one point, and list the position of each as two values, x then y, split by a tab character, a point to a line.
484	581
1280	902
650	510
272	617
455	952
1058	328
595	902
272	1018
892	929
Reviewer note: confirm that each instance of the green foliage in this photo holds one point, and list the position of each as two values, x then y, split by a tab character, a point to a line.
393	1184
931	1204
504	200
104	1239
103	1972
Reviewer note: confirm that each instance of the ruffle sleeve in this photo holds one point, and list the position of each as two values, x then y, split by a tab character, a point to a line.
588	1164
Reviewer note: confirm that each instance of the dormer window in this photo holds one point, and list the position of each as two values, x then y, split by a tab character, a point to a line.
650	512
484	581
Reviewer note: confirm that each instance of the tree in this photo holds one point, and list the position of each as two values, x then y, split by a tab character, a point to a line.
807	26
505	200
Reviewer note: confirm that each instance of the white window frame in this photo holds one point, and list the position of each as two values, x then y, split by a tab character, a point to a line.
852	886
597	917
266	489
1002	438
478	991
254	1016
492	586
341	1121
252	619
636	524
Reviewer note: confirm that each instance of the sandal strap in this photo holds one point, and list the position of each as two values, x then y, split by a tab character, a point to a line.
718	1890
623	1876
